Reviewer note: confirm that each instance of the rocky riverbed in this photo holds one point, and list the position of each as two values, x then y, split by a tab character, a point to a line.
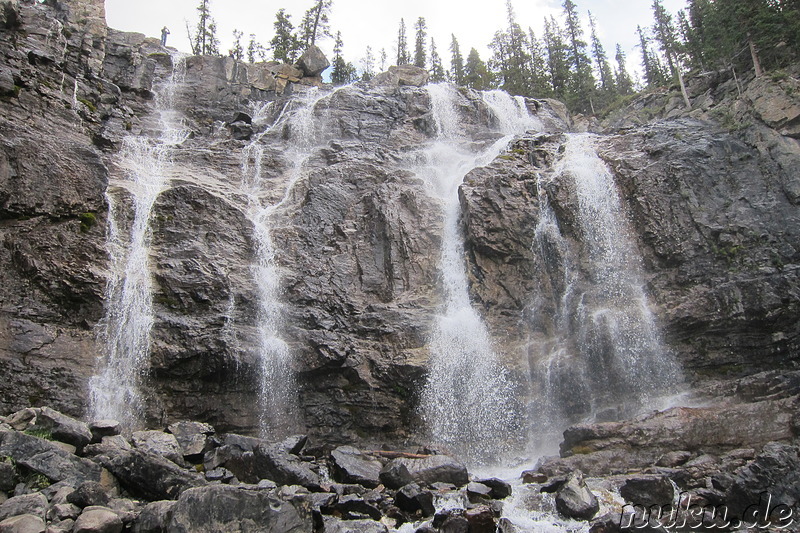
58	474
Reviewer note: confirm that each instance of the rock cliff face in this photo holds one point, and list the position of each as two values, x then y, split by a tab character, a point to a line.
710	198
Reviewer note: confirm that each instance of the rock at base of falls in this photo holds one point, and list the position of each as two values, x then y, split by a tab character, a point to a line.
575	500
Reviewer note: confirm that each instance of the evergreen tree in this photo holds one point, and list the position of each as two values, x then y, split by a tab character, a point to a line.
557	62
653	75
402	44
369	65
237	52
255	51
476	75
511	58
540	85
582	81
383	58
665	35
419	45
343	72
624	82
316	22
456	63
437	69
204	41
285	44
600	58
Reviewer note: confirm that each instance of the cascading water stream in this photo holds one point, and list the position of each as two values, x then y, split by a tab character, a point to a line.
468	401
606	358
124	332
278	410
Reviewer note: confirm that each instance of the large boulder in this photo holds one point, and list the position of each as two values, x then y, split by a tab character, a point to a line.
313	62
575	500
98	520
234	509
155	517
47	458
159	443
402	75
150	476
32	504
25	523
436	468
63	427
352	466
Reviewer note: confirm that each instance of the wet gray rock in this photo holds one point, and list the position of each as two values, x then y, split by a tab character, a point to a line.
47	458
437	468
227	508
63	427
575	500
272	462
352	466
23	524
104	428
395	475
481	520
335	525
98	520
88	494
150	476
158	443
28	504
648	490
8	476
774	473
499	488
412	498
154	517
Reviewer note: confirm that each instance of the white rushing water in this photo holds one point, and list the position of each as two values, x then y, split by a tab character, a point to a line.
124	332
606	359
468	401
279	413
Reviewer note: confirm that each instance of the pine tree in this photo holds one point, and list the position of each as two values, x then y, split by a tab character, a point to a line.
512	56
316	22
557	62
624	82
343	72
383	58
540	85
419	45
476	75
285	44
653	75
237	52
255	51
368	64
599	53
437	69
456	63
204	41
665	35
582	81
402	44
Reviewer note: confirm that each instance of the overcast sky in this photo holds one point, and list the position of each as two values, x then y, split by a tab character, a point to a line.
374	23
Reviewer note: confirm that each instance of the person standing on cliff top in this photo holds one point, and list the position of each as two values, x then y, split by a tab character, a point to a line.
164	33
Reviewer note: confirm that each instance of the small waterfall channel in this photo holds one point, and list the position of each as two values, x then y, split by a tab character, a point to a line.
605	358
124	333
468	401
279	413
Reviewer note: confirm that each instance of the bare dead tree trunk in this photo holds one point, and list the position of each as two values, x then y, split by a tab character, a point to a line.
754	55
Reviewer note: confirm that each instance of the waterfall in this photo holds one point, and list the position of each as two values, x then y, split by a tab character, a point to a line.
467	400
605	359
124	332
278	408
